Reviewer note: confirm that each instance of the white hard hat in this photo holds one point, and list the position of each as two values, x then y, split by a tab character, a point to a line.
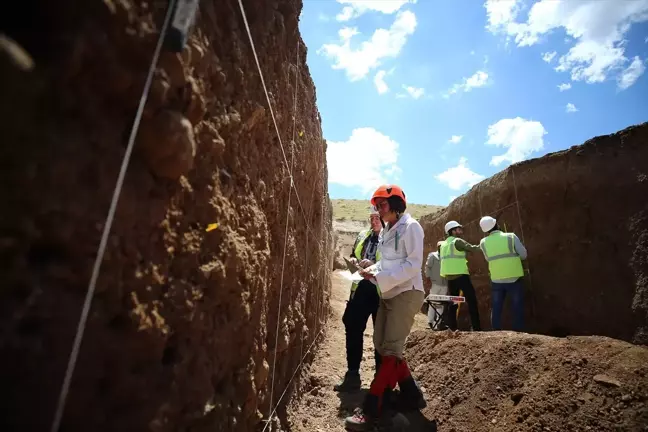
373	212
450	225
487	223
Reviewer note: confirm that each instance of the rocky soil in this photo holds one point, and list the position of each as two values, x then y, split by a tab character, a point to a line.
584	218
505	381
182	332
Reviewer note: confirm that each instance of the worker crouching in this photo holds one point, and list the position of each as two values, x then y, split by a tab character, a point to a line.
398	275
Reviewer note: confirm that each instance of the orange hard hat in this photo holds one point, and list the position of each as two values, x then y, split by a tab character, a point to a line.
386	191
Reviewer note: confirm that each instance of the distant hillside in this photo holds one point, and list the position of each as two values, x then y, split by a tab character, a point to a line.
358	210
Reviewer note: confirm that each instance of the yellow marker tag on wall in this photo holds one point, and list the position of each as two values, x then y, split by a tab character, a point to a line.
301	133
211	227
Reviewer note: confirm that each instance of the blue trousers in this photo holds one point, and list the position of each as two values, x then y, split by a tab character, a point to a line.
499	292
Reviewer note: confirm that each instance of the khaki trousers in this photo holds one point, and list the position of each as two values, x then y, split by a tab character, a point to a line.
394	322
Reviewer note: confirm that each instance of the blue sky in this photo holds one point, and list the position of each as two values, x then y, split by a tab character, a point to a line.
436	95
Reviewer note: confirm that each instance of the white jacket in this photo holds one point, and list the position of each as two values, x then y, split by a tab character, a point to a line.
399	268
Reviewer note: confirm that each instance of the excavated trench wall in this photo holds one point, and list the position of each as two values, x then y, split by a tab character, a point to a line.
583	216
181	334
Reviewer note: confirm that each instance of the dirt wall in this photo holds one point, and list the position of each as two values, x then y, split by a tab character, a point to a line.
181	335
582	216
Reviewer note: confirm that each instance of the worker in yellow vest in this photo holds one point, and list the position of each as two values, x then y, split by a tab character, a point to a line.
454	267
363	303
504	253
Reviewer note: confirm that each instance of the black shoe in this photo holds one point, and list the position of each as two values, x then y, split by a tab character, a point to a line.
410	397
350	383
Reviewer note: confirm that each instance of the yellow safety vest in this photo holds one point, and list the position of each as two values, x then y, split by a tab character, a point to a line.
453	261
503	261
357	252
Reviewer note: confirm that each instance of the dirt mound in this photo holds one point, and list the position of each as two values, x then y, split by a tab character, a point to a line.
582	213
181	335
505	381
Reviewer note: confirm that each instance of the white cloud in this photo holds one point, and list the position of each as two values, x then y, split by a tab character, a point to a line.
459	176
501	13
564	87
596	28
358	7
378	155
549	56
631	74
414	92
519	136
379	81
384	43
570	108
456	139
345	15
478	79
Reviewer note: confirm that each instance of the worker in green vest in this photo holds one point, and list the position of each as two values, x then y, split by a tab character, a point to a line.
363	303
504	253
454	267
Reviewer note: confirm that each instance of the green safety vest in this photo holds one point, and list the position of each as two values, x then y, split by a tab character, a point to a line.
453	261
357	252
503	261
362	237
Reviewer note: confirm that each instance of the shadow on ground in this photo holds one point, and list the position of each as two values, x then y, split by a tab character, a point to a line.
419	423
350	401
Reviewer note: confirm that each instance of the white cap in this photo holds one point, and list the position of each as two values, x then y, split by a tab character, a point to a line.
487	223
373	212
450	225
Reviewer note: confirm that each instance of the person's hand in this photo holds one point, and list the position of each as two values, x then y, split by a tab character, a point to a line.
365	263
354	261
365	274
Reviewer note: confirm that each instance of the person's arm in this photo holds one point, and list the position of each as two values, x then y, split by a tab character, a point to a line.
482	246
410	266
463	246
519	247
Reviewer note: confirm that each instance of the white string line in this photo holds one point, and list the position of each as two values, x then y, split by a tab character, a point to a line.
523	239
292	183
60	407
295	97
268	422
292	166
292	163
283	264
494	212
319	296
274	120
310	214
480	204
518	204
267	95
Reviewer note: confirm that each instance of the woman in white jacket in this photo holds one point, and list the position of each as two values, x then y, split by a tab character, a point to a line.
398	275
